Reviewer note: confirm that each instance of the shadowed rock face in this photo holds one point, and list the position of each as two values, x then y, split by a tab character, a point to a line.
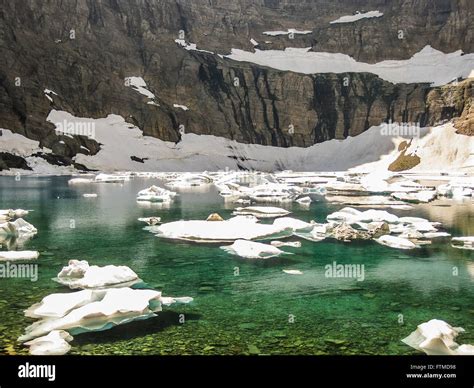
115	39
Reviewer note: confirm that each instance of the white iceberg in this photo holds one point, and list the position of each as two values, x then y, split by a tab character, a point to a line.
18	255
293	223
396	242
424	196
155	194
150	220
89	195
111	178
261	211
294	244
80	181
113	307
253	250
18	228
293	271
463	242
79	275
304	200
13	213
56	343
240	227
436	338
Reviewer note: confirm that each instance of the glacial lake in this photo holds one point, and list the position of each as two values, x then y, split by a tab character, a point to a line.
240	306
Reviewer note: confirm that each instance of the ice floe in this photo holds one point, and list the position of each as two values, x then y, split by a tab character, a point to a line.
95	311
111	178
253	250
150	220
79	275
55	343
18	228
240	227
80	181
261	211
436	338
18	255
463	242
155	194
293	272
396	242
278	244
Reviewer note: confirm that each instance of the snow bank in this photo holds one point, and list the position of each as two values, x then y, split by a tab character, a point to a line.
428	65
358	16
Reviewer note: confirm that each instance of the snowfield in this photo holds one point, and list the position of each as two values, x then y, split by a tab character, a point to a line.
429	65
439	148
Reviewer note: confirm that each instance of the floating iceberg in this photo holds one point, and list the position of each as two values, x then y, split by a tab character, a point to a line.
293	272
79	275
13	213
18	255
436	338
294	244
253	250
293	223
111	178
240	227
150	220
463	242
56	343
155	194
424	196
104	310
396	242
80	181
304	200
261	211
89	195
17	228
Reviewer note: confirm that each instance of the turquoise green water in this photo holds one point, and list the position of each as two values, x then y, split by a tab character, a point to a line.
262	310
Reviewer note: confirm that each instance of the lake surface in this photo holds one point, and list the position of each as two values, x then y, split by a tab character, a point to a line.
240	306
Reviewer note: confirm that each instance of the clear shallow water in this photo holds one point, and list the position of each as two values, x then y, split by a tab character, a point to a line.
263	310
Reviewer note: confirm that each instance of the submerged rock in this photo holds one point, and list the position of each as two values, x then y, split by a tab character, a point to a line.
436	338
344	232
214	217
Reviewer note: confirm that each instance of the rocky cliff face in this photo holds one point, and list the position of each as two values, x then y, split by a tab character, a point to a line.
84	50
